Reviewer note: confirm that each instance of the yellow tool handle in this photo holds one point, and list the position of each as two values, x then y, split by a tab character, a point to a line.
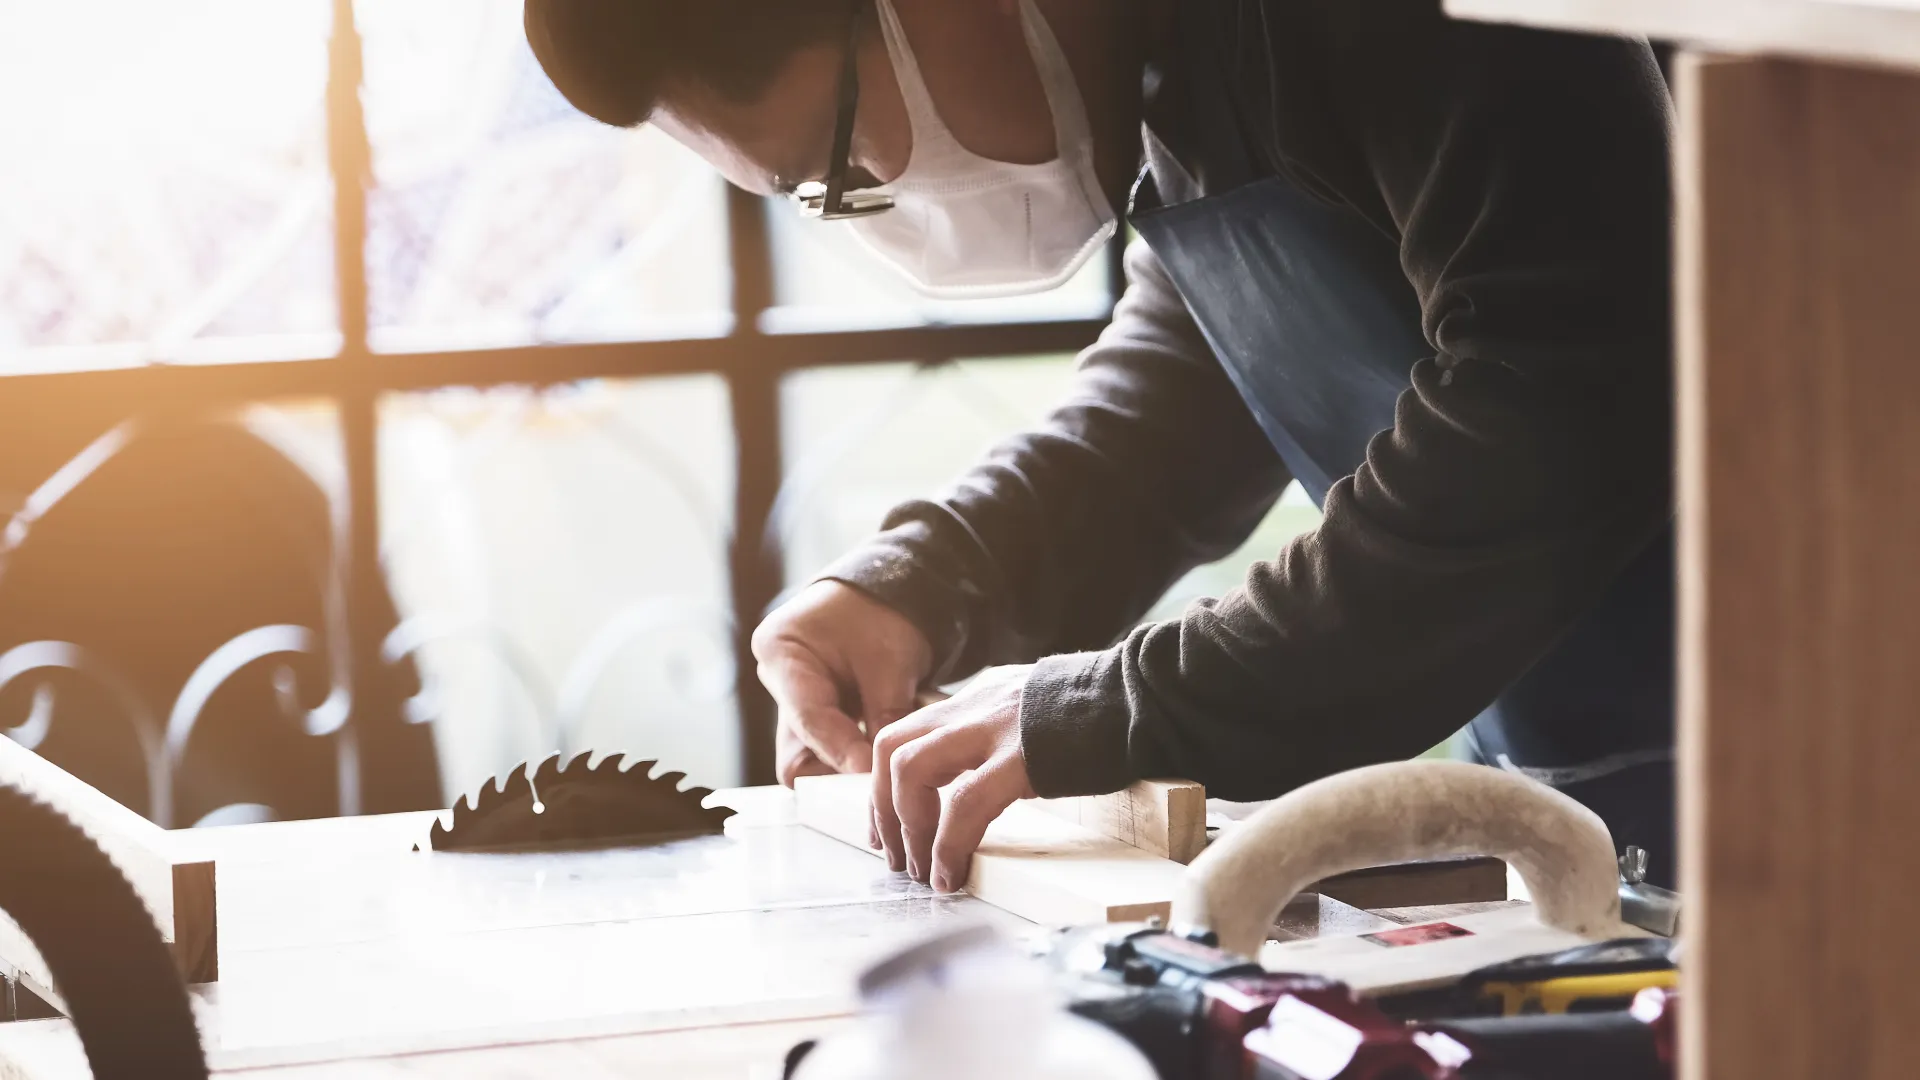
1589	992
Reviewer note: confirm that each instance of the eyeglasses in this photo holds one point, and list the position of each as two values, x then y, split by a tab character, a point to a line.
830	200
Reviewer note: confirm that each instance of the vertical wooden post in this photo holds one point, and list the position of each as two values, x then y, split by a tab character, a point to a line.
756	565
1800	459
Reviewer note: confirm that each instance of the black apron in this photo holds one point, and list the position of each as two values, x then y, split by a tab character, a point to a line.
1307	307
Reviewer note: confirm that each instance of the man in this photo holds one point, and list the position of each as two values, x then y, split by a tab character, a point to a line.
1418	265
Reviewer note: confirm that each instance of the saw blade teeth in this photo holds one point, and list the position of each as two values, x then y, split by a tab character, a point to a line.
518	782
501	783
615	800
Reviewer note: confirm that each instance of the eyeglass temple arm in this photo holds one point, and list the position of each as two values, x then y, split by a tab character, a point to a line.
843	123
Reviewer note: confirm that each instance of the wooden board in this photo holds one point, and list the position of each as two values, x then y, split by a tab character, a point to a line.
1800	600
1468	880
1167	818
177	888
1037	864
1033	864
1870	31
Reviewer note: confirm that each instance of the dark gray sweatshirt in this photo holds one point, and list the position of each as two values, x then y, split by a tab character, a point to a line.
1524	177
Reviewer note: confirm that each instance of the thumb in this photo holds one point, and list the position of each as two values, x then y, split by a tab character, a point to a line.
887	693
808	698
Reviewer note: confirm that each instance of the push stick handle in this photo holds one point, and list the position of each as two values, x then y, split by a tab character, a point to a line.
1396	813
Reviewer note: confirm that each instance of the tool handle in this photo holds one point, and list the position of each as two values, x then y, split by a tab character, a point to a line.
1399	812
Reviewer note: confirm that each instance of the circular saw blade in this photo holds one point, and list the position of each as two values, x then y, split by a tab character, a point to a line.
617	803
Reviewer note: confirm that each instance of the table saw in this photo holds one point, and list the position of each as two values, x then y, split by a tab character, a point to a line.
345	952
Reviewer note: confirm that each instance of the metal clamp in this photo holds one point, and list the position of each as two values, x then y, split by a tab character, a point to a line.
1648	907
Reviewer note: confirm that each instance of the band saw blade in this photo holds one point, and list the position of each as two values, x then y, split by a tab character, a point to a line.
616	803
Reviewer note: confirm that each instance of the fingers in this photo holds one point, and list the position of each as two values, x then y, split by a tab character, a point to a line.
887	691
886	818
793	759
918	770
809	702
972	805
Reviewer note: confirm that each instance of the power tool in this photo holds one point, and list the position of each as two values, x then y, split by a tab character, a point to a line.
1200	1013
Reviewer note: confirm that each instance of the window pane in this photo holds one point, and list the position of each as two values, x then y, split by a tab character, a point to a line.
164	193
824	280
1294	514
563	557
502	216
861	440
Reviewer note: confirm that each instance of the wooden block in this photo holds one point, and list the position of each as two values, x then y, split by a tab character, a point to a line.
1165	817
1032	863
1469	880
179	890
1799	204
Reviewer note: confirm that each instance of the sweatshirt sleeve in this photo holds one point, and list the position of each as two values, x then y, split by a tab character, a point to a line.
1525	174
1063	537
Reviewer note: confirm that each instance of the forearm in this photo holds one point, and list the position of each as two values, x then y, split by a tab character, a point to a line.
1063	537
1364	641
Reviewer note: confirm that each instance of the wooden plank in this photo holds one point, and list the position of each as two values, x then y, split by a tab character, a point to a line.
1863	31
1468	880
1800	602
1165	817
1033	864
1038	864
178	889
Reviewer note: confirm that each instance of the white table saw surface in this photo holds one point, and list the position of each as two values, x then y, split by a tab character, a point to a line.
345	953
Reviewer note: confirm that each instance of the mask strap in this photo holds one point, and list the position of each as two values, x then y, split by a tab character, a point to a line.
921	112
1070	125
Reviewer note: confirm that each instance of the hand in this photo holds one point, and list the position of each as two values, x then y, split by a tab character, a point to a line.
972	741
841	666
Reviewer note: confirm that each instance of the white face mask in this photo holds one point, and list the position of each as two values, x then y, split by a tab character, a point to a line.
965	226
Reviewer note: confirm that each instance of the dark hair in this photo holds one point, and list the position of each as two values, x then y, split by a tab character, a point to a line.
612	58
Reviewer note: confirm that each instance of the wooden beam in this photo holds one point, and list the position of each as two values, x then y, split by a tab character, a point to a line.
1800	604
177	888
1165	817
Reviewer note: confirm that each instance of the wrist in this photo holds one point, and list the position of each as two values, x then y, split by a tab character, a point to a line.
1074	725
935	605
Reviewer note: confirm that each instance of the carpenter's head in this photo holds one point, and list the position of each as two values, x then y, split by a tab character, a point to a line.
757	88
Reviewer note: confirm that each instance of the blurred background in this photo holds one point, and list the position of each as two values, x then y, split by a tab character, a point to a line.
370	422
